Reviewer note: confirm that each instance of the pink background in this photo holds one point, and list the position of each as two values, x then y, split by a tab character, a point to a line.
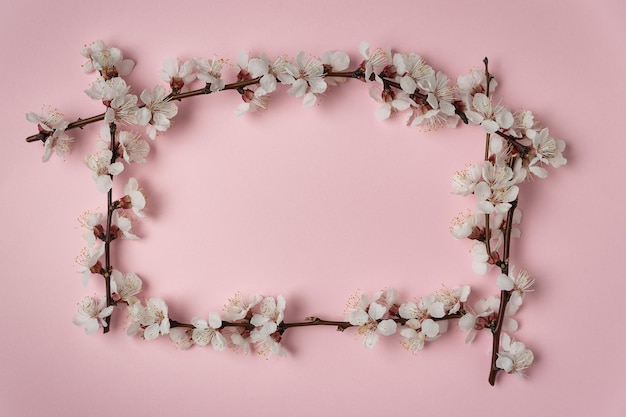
314	204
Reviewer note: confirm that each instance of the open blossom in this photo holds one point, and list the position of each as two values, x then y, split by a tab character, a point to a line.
160	110
464	182
523	124
547	150
107	90
454	298
53	126
412	70
123	225
490	117
88	262
468	85
238	309
518	282
266	335
134	149
372	317
439	92
375	61
102	169
484	315
306	78
182	337
177	74
134	198
210	71
153	319
109	61
469	225
125	286
421	325
514	358
266	70
49	121
392	102
253	100
497	190
208	332
59	142
271	313
123	109
93	223
92	313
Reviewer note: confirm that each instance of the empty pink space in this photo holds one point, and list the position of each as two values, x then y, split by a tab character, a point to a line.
315	204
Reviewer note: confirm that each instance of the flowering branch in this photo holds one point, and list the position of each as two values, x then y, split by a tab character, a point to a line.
516	147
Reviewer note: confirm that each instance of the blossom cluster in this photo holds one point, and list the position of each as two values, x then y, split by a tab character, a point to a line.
518	148
423	320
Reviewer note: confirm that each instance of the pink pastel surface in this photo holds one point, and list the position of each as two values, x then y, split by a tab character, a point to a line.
314	204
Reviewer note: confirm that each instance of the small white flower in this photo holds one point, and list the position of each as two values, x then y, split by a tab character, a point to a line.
134	149
154	318
271	312
160	110
92	313
87	260
253	100
102	169
134	197
497	190
471	84
51	124
208	332
182	336
107	90
514	358
489	117
177	74
547	150
210	71
392	102
522	283
485	314
109	61
307	78
371	317
374	62
124	224
464	182
412	69
125	286
238	309
124	110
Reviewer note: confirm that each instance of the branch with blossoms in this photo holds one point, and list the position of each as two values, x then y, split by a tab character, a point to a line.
516	148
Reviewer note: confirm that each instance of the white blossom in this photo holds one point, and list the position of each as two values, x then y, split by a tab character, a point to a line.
92	313
514	358
208	332
109	61
177	74
125	286
160	110
102	170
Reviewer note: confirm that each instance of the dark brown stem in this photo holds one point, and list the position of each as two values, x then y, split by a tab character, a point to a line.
505	296
311	321
108	238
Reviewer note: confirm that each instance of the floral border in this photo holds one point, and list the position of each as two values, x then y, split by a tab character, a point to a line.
516	149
